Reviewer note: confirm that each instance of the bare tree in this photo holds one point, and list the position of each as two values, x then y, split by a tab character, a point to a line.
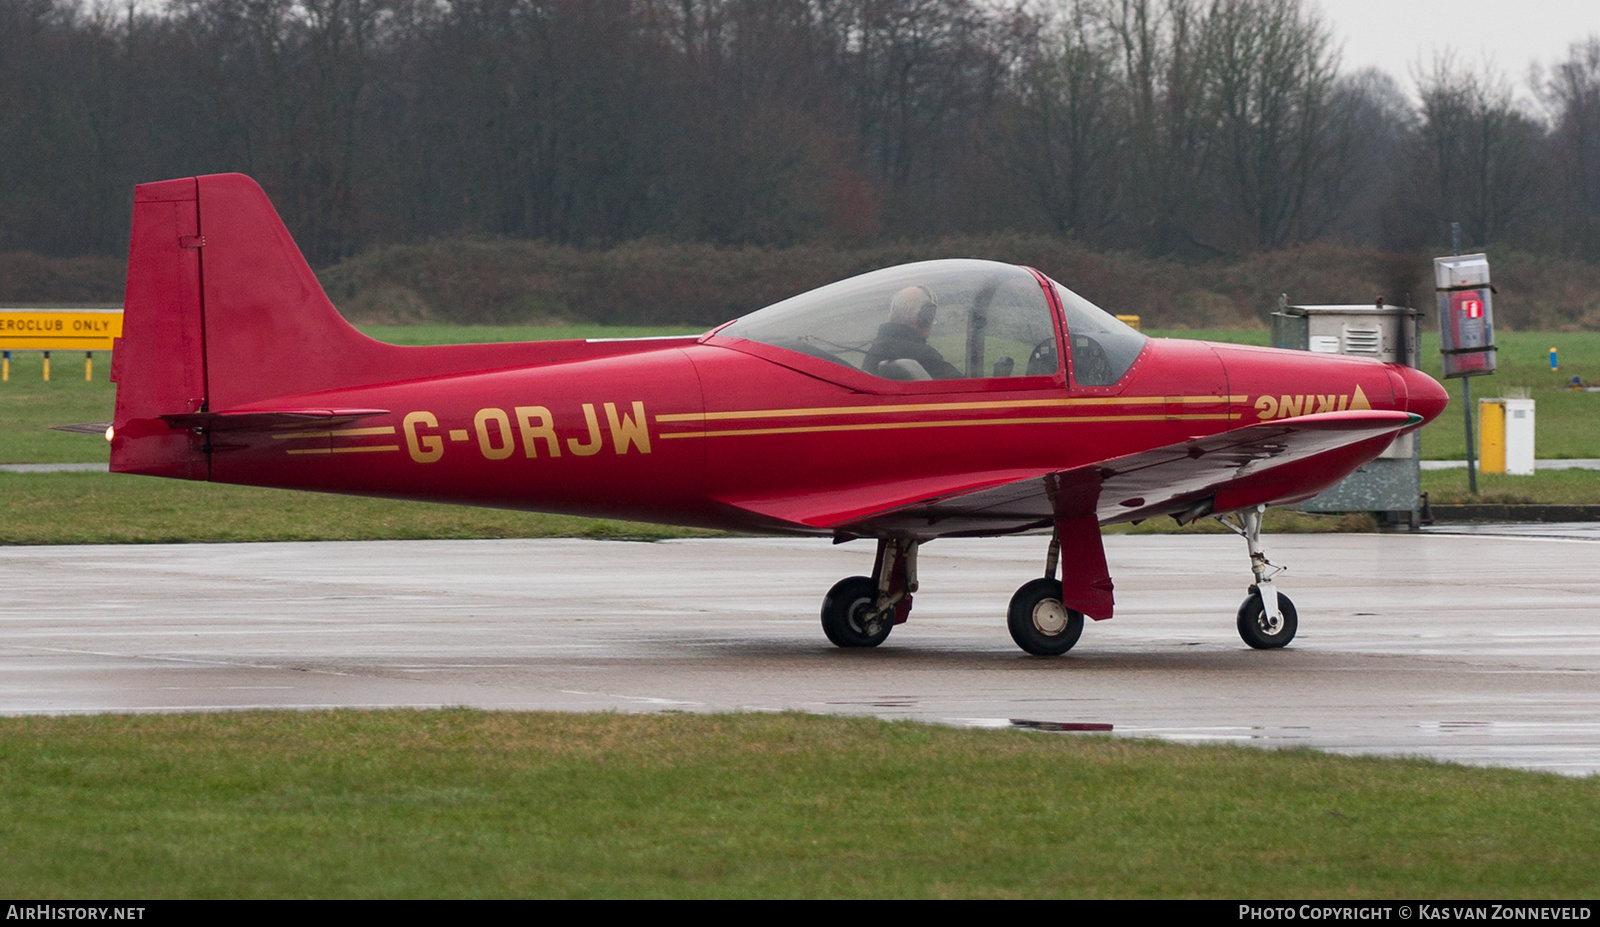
1572	97
1476	155
1071	138
1179	127
1269	81
1370	116
1163	80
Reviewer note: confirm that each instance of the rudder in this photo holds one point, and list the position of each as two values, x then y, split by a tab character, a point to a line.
159	362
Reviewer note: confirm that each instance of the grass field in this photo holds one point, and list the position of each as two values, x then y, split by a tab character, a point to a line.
459	803
95	508
101	508
29	406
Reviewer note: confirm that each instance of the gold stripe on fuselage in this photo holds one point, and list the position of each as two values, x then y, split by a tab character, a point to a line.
356	449
338	433
1060	403
951	423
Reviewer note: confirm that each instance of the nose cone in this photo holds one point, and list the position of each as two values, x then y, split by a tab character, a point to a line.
1423	394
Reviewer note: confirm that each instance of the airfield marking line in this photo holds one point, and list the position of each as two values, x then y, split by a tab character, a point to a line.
168	658
647	699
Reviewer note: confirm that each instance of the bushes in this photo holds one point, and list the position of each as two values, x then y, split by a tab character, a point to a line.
662	283
486	282
29	278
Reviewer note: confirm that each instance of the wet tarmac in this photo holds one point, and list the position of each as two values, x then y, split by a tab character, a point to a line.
1479	648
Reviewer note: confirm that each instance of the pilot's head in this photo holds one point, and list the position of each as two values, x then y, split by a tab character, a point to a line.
914	307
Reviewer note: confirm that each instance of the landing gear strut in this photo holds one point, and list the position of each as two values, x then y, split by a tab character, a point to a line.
1267	619
860	611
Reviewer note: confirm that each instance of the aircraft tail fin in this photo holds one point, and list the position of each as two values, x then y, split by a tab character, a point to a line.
221	310
222	314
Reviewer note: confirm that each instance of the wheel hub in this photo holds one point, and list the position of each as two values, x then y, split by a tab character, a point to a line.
1050	617
1269	624
865	619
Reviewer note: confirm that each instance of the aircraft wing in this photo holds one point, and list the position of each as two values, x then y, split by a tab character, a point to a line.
1271	462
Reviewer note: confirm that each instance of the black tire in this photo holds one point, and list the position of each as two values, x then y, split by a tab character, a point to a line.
847	614
1039	623
1252	622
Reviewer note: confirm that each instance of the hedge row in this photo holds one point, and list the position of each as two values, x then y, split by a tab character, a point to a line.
470	281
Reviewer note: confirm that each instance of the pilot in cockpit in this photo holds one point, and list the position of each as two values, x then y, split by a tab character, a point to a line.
905	338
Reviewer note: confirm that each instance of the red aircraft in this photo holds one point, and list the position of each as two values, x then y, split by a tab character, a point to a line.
941	399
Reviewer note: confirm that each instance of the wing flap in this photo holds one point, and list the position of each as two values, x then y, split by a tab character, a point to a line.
849	504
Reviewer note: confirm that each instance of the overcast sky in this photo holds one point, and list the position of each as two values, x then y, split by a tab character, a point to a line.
1395	34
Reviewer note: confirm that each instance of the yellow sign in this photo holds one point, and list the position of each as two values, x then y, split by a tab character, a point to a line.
59	329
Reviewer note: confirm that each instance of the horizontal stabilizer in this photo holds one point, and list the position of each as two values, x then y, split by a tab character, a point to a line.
98	429
267	420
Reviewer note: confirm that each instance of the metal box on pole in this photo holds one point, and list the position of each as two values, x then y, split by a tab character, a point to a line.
1466	315
1466	331
1390	486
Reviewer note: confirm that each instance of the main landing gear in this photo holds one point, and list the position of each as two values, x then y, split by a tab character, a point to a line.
1267	619
1038	620
860	611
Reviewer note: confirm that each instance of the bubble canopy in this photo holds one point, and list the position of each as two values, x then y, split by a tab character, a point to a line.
939	320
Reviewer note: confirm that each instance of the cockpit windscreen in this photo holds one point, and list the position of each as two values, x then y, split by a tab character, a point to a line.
931	321
1103	347
946	320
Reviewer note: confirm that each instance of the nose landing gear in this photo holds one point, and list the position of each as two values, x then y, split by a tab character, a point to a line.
1267	619
1262	632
